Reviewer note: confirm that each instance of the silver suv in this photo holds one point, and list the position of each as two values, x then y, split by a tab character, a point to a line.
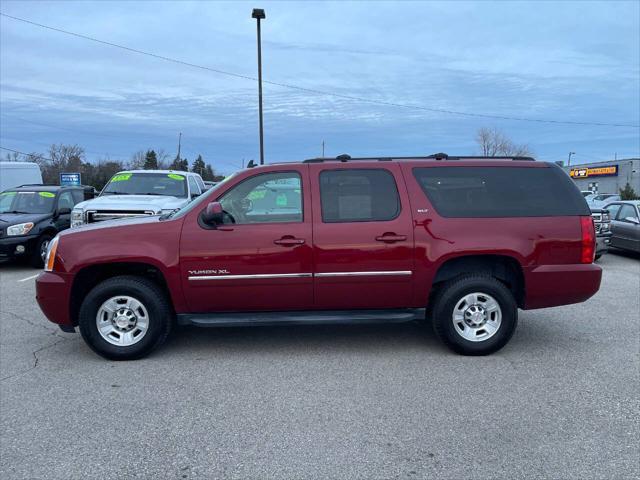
134	193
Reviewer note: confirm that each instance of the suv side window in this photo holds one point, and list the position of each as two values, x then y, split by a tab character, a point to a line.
193	186
78	195
358	195
265	198
626	211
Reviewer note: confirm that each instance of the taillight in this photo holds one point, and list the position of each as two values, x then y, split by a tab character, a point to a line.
588	240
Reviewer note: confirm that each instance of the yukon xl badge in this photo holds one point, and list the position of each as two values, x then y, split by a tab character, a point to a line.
209	272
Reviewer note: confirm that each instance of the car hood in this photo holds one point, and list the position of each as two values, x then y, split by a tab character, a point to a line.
133	202
8	219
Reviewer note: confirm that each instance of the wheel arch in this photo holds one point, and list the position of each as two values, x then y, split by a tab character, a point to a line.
88	277
505	268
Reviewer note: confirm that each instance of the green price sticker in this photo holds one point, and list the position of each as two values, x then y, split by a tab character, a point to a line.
175	176
7	193
47	194
123	177
281	200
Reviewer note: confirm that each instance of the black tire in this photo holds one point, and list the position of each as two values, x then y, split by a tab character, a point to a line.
153	298
36	260
452	292
597	257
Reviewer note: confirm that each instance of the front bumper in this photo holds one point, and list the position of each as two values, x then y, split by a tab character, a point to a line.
602	243
17	246
554	285
53	293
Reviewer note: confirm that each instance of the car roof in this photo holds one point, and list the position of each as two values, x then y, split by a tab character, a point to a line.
628	202
37	188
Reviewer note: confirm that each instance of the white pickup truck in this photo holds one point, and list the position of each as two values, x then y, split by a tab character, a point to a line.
135	193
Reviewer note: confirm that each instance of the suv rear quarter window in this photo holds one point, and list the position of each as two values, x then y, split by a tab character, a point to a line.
501	191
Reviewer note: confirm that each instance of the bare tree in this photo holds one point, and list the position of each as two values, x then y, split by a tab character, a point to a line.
137	160
493	142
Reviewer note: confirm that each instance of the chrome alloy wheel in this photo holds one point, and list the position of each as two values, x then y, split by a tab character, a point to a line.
44	246
122	321
477	317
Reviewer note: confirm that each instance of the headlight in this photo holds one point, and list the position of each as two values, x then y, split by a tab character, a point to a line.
50	259
77	218
21	229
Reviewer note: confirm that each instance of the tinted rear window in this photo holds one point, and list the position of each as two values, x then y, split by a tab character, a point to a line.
501	191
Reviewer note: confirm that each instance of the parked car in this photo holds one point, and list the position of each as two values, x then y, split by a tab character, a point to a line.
625	224
602	199
135	193
602	224
464	242
31	215
13	174
209	184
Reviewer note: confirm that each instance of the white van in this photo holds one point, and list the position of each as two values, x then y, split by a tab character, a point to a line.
14	174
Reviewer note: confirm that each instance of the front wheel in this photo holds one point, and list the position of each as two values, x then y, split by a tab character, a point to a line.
125	318
474	314
40	251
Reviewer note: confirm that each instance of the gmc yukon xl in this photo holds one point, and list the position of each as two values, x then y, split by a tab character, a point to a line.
461	242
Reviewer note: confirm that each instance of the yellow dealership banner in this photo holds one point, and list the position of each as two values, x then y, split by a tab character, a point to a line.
580	172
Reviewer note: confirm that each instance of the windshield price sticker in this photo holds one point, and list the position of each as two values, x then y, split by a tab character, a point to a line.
175	176
123	177
47	194
7	193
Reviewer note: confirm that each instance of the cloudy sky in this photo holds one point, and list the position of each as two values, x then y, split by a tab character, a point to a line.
568	62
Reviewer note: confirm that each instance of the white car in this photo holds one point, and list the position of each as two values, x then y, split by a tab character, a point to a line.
600	200
135	193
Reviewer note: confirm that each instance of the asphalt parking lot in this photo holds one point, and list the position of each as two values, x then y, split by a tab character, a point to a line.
560	401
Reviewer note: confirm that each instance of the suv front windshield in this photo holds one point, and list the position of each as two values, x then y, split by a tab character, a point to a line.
27	202
170	184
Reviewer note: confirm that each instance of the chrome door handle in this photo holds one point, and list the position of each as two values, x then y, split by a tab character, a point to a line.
391	238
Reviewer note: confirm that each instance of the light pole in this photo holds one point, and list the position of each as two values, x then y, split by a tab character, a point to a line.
569	162
258	14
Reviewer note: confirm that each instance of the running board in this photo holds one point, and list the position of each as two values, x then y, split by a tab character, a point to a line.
320	317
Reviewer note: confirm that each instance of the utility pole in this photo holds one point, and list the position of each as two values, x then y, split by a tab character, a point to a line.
259	14
322	148
179	145
569	162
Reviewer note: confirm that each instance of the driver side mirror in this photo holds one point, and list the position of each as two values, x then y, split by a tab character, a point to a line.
213	214
64	211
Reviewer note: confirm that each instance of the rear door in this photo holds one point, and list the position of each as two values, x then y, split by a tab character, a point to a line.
363	236
261	259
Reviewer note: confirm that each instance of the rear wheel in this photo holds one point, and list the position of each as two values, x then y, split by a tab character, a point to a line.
125	318
474	314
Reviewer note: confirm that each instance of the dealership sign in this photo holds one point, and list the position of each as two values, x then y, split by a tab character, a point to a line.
578	172
70	179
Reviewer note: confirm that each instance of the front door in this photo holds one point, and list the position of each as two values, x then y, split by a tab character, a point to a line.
261	258
363	237
625	228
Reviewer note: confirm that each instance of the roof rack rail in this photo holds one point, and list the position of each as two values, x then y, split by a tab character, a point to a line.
435	156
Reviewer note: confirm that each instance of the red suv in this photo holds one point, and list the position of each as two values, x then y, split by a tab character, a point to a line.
463	242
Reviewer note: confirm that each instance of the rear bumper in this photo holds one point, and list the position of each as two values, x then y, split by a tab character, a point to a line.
53	292
553	285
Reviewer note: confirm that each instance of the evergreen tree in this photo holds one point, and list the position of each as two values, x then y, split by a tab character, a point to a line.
150	160
179	164
198	166
208	173
628	193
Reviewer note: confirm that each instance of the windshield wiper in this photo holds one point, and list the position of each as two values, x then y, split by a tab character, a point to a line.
116	193
14	211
